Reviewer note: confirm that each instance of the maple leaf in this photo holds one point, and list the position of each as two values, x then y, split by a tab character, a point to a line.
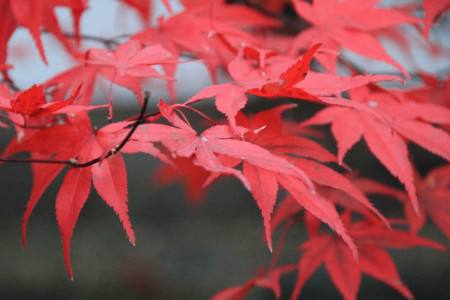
129	64
262	180
266	153
292	80
385	124
5	67
31	103
183	141
7	26
289	207
143	7
235	14
339	190
68	81
209	25
131	59
192	176
433	193
30	15
433	9
36	15
374	260
231	98
77	143
110	181
432	90
284	77
266	131
289	78
262	170
269	279
348	24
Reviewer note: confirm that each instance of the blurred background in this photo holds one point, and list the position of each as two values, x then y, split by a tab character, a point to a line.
182	251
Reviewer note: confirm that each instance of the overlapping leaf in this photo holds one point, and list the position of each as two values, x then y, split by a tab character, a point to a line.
35	15
348	24
386	124
344	271
75	142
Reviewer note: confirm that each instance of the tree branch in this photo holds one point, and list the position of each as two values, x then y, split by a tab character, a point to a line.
73	162
108	42
9	82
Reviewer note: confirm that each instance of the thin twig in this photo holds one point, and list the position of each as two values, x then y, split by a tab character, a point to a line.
108	42
73	162
8	81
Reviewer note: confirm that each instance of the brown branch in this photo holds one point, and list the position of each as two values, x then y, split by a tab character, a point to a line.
108	42
73	162
9	82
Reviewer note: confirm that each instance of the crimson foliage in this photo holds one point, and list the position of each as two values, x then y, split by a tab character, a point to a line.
264	56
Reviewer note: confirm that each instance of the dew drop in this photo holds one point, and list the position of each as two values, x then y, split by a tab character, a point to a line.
373	103
257	130
20	135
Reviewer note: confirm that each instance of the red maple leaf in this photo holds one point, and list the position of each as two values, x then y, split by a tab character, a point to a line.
433	9
32	103
386	124
129	64
374	260
35	15
192	176
208	26
433	193
144	7
266	131
75	142
348	24
269	279
268	154
285	87
68	81
262	172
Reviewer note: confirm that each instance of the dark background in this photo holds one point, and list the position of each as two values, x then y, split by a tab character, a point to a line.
182	252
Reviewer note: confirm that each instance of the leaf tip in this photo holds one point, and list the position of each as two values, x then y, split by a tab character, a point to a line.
24	243
24	238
